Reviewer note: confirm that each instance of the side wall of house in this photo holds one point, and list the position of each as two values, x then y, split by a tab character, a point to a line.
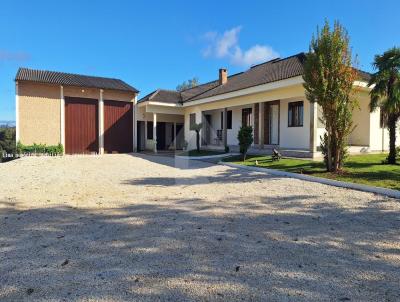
361	121
39	113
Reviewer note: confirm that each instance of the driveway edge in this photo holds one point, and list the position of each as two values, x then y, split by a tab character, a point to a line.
206	156
325	181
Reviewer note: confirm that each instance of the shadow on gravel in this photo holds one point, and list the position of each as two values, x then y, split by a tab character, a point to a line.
230	175
184	251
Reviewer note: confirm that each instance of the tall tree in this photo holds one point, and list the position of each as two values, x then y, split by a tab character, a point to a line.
188	84
329	77
386	93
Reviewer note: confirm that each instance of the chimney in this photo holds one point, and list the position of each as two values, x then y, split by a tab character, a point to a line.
223	76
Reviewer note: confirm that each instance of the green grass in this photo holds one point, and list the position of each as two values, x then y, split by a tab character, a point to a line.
363	169
201	153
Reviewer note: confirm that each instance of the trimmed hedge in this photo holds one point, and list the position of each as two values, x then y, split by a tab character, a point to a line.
40	149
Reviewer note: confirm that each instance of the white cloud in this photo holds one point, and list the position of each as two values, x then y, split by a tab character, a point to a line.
227	46
13	56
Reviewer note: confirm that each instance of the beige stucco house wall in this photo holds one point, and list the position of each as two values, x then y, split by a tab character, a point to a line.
39	113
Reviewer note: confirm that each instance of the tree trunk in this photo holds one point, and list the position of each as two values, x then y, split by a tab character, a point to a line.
392	139
329	150
198	141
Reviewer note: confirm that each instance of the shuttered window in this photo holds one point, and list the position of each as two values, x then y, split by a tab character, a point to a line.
229	119
295	114
246	117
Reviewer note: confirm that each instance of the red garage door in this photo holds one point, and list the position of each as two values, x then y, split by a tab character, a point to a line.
81	125
118	127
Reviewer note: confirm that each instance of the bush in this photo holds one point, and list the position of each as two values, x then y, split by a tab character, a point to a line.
40	149
7	144
245	138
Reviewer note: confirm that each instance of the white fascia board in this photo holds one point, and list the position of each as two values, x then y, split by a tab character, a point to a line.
144	104
246	91
164	104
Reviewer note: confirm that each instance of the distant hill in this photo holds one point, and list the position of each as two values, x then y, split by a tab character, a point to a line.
7	124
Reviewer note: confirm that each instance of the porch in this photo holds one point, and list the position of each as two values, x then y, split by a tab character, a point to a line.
287	125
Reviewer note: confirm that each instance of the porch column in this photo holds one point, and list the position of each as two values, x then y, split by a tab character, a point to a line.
135	128
313	126
261	113
62	117
101	123
16	113
225	126
155	132
145	133
174	136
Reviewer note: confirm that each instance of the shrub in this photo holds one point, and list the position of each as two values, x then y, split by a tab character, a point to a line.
40	149
245	138
7	144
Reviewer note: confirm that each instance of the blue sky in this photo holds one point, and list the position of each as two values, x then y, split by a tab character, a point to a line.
151	44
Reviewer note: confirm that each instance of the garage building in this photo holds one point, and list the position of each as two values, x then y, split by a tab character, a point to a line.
86	114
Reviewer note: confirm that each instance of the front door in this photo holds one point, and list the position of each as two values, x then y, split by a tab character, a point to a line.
271	123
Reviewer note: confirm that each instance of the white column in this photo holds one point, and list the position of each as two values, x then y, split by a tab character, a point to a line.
225	130
17	134
313	127
145	133
62	117
155	131
135	146
101	123
174	136
261	112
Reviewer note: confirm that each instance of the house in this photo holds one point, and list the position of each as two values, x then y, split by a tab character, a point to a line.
85	114
101	115
269	97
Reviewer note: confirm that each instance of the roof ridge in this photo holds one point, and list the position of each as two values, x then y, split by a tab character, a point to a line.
154	94
68	73
302	53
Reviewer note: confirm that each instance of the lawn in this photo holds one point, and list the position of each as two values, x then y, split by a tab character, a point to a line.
363	169
201	153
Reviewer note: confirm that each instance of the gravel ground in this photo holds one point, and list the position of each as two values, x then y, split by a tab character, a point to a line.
129	228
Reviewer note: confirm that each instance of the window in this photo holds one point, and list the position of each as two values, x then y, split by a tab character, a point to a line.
246	116
192	120
229	119
149	130
295	114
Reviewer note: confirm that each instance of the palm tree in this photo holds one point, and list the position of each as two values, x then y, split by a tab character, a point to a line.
386	93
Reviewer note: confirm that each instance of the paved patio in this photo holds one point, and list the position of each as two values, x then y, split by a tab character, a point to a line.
145	228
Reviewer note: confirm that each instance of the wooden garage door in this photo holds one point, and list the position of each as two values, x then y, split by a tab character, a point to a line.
81	125
118	127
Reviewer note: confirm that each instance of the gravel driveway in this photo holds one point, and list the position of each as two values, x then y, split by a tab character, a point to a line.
130	228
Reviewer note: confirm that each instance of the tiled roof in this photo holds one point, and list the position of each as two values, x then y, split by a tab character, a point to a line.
268	72
271	71
163	96
68	79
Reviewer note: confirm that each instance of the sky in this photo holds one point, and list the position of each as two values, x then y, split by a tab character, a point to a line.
160	44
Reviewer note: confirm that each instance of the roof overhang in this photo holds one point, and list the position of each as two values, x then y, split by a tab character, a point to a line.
263	88
163	108
251	90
